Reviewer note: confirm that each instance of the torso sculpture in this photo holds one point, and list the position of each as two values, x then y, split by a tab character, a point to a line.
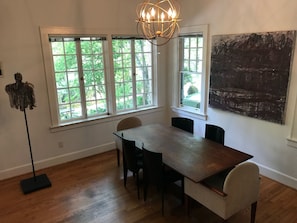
21	95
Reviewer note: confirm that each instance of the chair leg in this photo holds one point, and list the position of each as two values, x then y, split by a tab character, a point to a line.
253	212
118	156
125	174
163	192
145	186
182	191
188	204
137	182
125	169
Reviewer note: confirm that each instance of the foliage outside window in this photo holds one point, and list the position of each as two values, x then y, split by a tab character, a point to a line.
79	76
94	76
133	67
191	70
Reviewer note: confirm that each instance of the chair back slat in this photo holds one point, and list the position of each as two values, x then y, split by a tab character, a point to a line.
185	124
152	167
130	155
215	133
128	123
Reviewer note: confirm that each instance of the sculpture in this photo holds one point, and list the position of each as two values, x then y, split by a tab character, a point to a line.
21	96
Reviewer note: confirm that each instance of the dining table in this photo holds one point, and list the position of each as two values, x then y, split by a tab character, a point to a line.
195	157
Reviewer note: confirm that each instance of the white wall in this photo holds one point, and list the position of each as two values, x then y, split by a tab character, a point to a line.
20	51
266	141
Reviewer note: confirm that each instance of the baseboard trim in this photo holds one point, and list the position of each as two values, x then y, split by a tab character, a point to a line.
53	161
278	176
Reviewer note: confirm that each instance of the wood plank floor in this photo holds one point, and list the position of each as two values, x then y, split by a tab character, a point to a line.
91	190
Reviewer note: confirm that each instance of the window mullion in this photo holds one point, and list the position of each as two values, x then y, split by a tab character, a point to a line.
134	73
110	81
81	78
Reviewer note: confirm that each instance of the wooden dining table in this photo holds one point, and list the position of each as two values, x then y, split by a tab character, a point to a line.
192	156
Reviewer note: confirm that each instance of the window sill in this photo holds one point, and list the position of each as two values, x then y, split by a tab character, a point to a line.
194	113
292	142
101	119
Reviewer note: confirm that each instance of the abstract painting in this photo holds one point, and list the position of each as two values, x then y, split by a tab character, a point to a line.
250	74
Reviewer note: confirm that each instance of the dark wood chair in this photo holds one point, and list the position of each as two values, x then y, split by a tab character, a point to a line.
132	161
158	174
215	133
127	123
185	124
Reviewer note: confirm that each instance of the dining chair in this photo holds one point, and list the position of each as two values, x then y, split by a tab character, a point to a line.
227	196
156	173
132	161
127	123
215	133
185	124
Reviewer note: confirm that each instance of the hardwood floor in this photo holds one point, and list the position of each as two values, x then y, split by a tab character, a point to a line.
91	190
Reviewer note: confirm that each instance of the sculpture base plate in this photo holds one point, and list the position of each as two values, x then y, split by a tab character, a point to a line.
35	183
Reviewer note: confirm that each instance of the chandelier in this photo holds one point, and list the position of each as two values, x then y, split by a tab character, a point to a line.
158	20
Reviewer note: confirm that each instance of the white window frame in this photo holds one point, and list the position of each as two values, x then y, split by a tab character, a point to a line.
80	70
134	73
201	112
45	33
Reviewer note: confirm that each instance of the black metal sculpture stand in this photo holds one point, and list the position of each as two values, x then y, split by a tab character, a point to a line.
36	182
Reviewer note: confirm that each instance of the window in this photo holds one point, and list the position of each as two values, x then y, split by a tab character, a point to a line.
133	68
94	76
191	70
192	75
79	76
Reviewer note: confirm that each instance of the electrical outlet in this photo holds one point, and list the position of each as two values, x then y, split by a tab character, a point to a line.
60	144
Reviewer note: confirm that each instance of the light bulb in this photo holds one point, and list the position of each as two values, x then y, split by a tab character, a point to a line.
162	16
148	17
153	13
143	14
169	13
173	14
